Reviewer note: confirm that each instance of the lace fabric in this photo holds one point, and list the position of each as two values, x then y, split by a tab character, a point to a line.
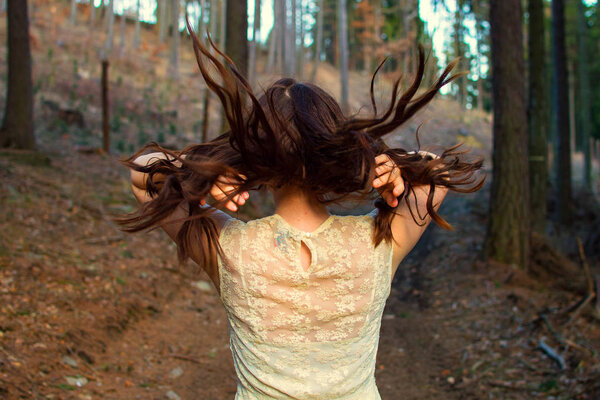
304	334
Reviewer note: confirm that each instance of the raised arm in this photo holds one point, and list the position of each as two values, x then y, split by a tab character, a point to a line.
172	224
405	231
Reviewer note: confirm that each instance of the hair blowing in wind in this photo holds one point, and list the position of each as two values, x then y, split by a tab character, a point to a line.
293	133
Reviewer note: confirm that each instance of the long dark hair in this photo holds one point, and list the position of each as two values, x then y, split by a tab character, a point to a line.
296	134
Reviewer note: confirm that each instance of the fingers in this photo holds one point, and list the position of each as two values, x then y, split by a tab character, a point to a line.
382	158
389	181
398	186
389	198
223	188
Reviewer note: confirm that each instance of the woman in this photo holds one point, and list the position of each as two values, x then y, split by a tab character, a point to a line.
304	290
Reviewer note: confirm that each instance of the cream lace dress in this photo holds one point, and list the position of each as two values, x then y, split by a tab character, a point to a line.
304	334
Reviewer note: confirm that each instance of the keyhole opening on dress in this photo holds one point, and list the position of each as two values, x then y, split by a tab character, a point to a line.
305	256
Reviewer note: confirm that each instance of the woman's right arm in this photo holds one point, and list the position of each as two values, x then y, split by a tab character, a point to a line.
172	224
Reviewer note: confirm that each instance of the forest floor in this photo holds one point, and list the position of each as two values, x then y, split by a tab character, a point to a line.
89	312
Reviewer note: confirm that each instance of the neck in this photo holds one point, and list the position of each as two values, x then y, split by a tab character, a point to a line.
299	208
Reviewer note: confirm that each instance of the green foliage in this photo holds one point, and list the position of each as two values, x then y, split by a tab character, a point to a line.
143	137
549	385
172	128
120	146
34	159
115	123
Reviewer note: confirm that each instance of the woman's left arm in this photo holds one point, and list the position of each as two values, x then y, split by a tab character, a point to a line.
390	185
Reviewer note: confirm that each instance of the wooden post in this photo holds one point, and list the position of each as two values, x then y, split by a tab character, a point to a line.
105	105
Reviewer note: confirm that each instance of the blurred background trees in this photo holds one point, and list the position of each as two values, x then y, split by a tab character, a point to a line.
541	84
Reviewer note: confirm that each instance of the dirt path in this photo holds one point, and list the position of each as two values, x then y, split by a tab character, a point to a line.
184	350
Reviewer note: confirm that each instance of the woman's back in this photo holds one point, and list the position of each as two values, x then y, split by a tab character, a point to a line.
304	334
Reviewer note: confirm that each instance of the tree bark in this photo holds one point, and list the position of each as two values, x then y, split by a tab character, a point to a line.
208	93
92	14
174	65
17	127
105	108
123	26
538	140
343	42
252	50
73	18
480	36
561	109
222	24
584	94
281	41
300	57
202	21
162	20
289	48
508	228
137	34
110	22
459	51
236	38
318	41
273	37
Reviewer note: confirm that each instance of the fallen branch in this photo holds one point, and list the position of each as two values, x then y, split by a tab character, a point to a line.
552	354
559	338
103	240
596	290
586	267
584	350
187	358
577	311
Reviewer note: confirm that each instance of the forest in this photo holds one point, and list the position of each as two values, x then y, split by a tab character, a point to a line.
504	306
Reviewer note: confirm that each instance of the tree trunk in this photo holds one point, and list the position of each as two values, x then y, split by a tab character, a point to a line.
584	94
273	37
300	57
222	24
319	41
252	50
538	139
162	20
480	35
236	38
174	65
343	41
458	46
137	34
561	109
123	26
110	22
281	42
17	127
202	21
208	93
73	12
92	14
290	39
105	109
508	229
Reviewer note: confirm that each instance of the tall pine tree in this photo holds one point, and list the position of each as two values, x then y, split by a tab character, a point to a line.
17	127
508	228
